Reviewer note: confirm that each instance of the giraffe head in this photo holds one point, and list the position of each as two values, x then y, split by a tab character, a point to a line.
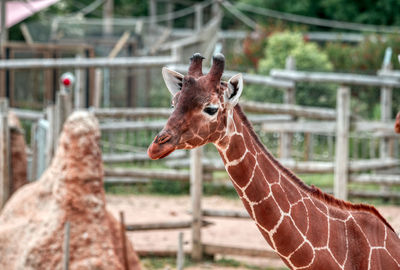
203	104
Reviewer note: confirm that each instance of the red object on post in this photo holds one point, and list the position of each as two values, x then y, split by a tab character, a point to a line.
66	82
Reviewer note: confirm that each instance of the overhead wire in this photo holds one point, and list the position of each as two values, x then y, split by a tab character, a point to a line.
317	21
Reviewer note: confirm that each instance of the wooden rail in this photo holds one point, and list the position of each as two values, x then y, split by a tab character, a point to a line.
173	225
340	78
120	62
294	110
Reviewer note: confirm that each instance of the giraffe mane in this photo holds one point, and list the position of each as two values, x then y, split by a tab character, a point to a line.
312	190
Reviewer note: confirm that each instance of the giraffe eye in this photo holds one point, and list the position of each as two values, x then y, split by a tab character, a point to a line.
210	110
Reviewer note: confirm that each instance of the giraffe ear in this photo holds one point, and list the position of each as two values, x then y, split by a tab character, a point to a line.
173	80
234	90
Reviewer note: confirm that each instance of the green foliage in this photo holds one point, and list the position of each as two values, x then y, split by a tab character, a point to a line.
282	45
308	56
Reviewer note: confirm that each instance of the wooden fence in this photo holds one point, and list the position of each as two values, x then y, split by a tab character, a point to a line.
285	119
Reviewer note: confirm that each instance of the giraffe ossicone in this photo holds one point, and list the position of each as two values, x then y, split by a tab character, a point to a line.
307	228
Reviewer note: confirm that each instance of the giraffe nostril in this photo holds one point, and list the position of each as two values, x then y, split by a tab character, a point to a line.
162	138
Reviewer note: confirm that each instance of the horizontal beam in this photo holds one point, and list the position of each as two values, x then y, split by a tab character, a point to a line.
374	194
378	129
132	157
28	114
318	127
42	63
173	225
132	125
131	112
340	78
225	213
238	251
247	78
173	175
139	173
389	73
382	179
294	110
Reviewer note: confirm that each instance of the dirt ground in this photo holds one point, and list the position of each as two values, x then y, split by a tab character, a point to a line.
224	231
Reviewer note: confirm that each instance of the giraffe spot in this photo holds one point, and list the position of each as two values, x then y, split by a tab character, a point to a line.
248	140
323	260
236	148
356	243
241	172
280	198
303	256
204	130
215	136
337	213
372	227
195	141
213	126
287	238
381	259
290	189
258	188
187	136
299	215
337	240
317	232
267	213
271	174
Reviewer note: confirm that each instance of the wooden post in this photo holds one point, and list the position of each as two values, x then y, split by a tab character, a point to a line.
108	10
63	109
34	146
66	246
170	9
386	116
196	192
180	258
215	9
3	28
98	79
289	98
5	154
79	96
153	13
198	17
342	142
123	239
50	134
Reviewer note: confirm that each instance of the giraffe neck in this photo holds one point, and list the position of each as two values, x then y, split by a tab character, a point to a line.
296	220
266	189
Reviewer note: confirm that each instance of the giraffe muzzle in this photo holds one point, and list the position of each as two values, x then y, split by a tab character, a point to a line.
161	146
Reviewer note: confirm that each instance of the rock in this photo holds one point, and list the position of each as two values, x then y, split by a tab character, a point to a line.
19	163
71	189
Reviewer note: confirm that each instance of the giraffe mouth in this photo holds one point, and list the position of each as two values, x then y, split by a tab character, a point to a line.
161	146
158	151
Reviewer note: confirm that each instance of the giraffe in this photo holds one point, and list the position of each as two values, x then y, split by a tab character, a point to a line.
307	228
397	123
